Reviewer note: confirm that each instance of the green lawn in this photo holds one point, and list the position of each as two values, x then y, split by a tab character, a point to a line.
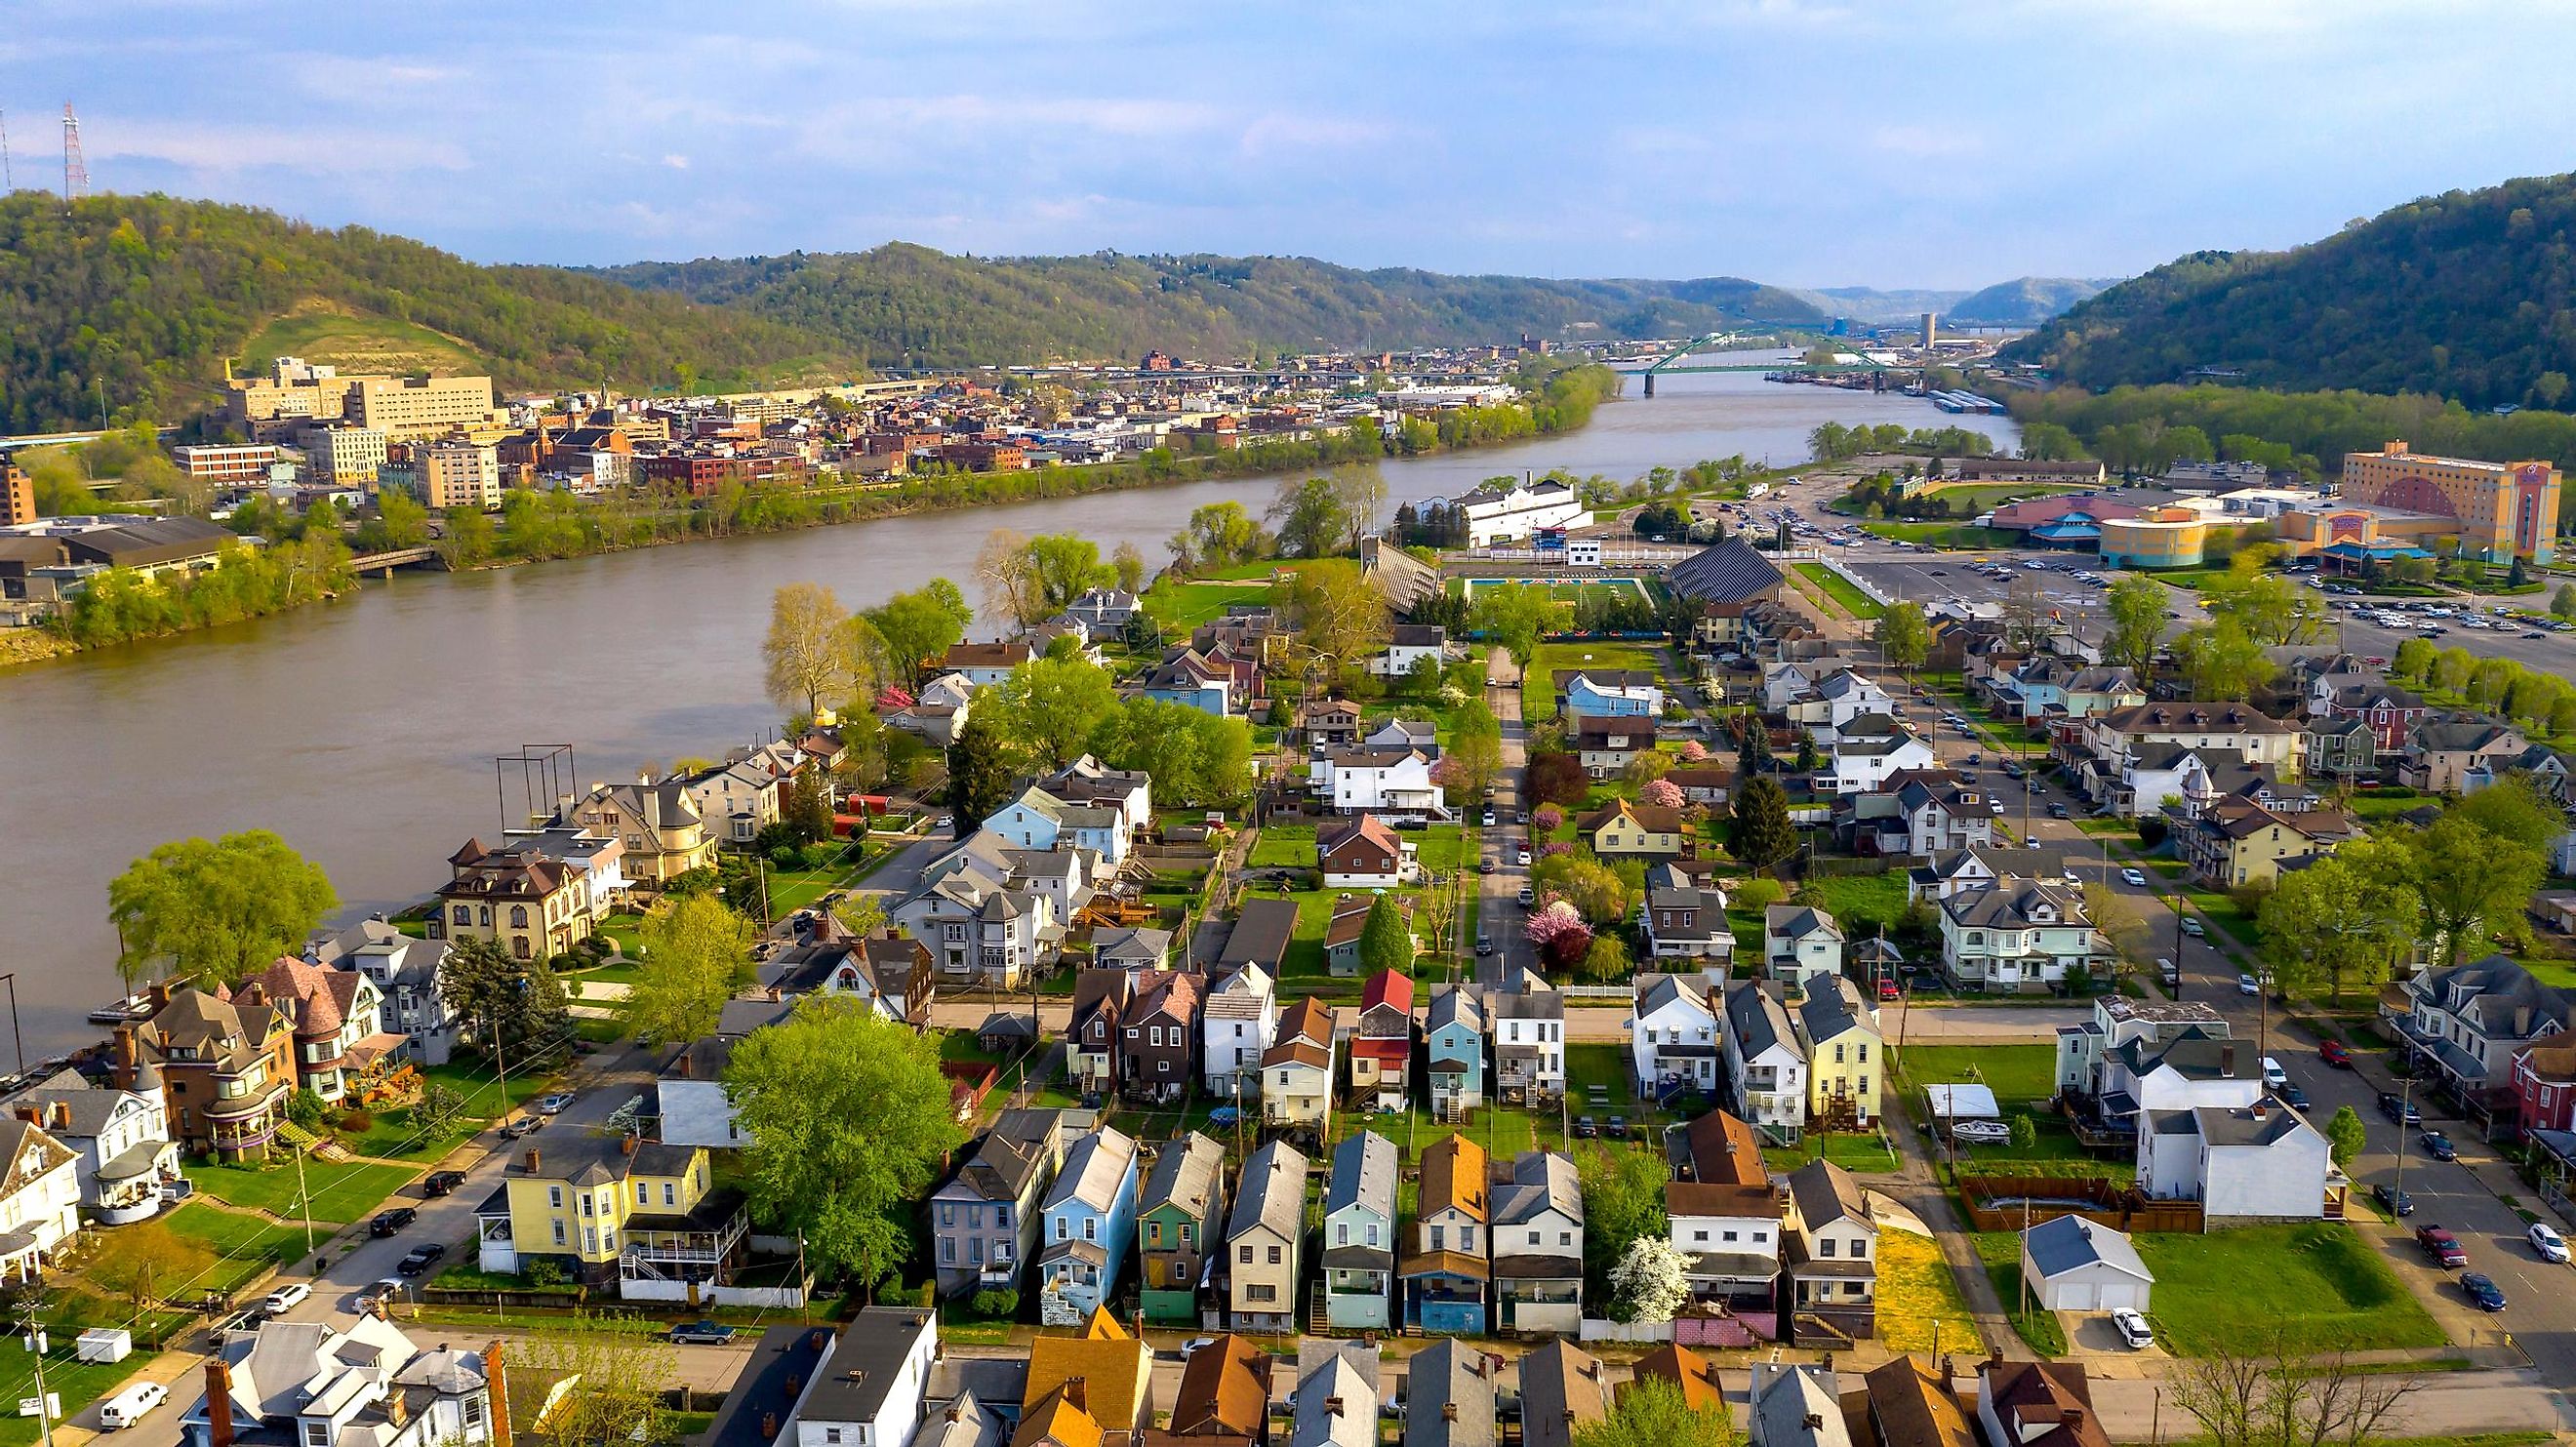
1863	904
363	342
1182	607
1839	588
1950	536
1859	1152
341	1193
1538	687
2317	1282
1289	846
2021	1074
2222	912
244	1246
474	1078
2001	1251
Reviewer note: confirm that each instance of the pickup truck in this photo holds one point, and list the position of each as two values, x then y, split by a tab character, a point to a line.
2440	1246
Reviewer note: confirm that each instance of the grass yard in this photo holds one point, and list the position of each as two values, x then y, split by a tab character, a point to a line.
1919	1305
1538	686
2015	1073
1948	536
76	1382
1862	904
359	342
1284	846
474	1078
1839	588
1182	607
2318	1284
341	1193
244	1246
2222	912
1861	1153
2001	1251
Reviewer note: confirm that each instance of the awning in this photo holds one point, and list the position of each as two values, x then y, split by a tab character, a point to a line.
139	1159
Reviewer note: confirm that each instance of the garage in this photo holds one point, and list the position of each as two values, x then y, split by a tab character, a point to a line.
2077	1265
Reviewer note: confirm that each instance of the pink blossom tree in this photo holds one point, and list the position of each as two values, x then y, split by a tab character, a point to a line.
1693	751
891	696
1551	922
1547	818
1661	794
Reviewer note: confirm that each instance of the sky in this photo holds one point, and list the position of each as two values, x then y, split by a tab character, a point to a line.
1880	142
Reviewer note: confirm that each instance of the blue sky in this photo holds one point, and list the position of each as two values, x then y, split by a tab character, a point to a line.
1882	142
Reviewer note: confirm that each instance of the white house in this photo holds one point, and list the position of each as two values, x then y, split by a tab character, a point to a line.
2084	1051
1235	1024
1730	1234
1672	1035
868	1390
1528	1024
122	1138
1378	781
2017	934
1038	819
1800	942
2077	1265
1409	644
2258	1163
40	1196
318	1385
1767	1070
1864	757
1515	512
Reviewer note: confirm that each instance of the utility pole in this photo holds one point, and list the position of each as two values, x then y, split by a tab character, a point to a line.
304	1197
31	1322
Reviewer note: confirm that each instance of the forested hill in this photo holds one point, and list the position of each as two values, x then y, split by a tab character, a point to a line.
902	305
143	297
2469	295
2025	301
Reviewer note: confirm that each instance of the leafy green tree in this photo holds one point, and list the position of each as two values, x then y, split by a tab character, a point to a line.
1763	836
305	1107
1592	887
1052	706
216	911
697	952
1623	1201
2222	662
1195	757
849	1121
439	1113
2025	1132
1309	518
467	539
2474	883
514	1006
1338	613
1651	1412
1219	535
805	806
1130	567
1386	941
2338	922
983	765
1513	615
149	1262
2136	607
2346	1136
2413	660
1904	639
2562	604
1066	566
920	627
1606	959
2514	808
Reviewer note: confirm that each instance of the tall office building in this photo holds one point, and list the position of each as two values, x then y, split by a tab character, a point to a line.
2504	509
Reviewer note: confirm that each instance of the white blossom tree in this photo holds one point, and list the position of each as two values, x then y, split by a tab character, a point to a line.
1650	1282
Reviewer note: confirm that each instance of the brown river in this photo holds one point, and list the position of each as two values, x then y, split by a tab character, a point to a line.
364	731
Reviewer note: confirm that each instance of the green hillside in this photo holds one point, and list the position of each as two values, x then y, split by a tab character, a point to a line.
144	297
2026	301
902	305
2469	295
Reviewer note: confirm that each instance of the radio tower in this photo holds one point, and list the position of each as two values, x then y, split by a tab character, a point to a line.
7	182
75	170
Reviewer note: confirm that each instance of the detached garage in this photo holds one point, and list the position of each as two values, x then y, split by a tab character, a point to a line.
2077	1265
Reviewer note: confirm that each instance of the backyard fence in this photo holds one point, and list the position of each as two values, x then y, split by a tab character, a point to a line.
2011	1203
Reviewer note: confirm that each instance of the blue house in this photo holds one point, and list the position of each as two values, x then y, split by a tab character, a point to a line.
1455	1031
1039	820
1192	679
1359	1233
1085	1226
1445	1274
1609	692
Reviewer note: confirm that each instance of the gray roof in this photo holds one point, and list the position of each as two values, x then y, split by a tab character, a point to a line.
1454	1005
1654	992
1093	1170
1363	1175
1541	1181
1262	929
1786	1397
1561	1388
866	1365
1794	921
1188	1173
1756	1018
1823	1191
1727	572
1335	1406
1449	1397
1831	1007
2070	1243
2010	903
1271	1193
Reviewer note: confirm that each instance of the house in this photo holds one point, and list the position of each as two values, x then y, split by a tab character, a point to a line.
335	1015
2018	934
1363	853
936	712
1800	943
1766	1070
737	799
2237	842
1718	584
688	1104
1538	1246
1038	820
1359	1233
1453	1034
1832	1255
1727	1218
1378	781
1528	1020
1059	1417
1260	936
1791	1405
2049	688
1935	814
533	907
1562	1388
1297	1069
1409	646
1608	692
1405	733
2037	1404
1684	916
985	1219
987	665
1977	867
1180	1219
1846	1059
226	1068
1605	743
1329	723
2253	735
1224	1395
405	970
1235	1024
870	1385
1708	785
1192	679
1106	1370
119	1138
889	969
2469	1021
313	1384
1263	1236
1686	1372
2184	1071
1864	758
2544	1088
1091	1033
2390	713
2318	677
643	1214
1672	1042
1131	948
1104	610
1446	1273
40	1196
1624	830
2256	1162
2086	1051
2440	753
990	913
2338	751
1382	1047
1336	1402
1911	1405
1087	1221
1158	1035
662	832
1451	1394
2073	1264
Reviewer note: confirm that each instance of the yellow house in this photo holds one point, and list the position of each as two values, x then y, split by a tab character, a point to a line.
532	906
1846	1059
615	1208
664	835
1621	829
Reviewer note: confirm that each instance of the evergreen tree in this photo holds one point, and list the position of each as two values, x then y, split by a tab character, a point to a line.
1763	835
982	767
1386	942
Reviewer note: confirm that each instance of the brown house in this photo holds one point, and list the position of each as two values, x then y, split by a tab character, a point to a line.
1359	853
1158	1034
1333	722
1224	1396
226	1070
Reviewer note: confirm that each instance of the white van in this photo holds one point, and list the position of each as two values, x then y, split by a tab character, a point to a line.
129	1407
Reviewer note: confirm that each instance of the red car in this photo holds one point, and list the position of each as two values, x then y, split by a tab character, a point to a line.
1888	990
2333	1053
2441	1246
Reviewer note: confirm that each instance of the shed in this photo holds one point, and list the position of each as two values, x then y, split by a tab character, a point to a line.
1962	1102
2073	1264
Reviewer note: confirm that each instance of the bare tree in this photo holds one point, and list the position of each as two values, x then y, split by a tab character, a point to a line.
1361	490
2027	617
811	651
1010	577
621	1377
2274	1392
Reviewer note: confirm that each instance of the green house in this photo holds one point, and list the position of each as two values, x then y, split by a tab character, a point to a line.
1180	1218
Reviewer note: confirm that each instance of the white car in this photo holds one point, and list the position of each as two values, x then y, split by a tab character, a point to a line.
2248	985
2134	878
2274	1077
2546	1241
287	1297
2133	1329
1981	1132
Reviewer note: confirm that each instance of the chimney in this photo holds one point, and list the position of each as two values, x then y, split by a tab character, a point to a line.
534	1159
1332	1406
496	1376
125	1053
2259	1110
817	1338
685	1066
29	1113
1812	1422
1448	1411
397	1410
1077	1394
219	1402
59	1114
627	1145
2227	1058
768	1426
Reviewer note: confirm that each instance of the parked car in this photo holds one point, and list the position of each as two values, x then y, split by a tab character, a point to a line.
287	1297
2134	878
2246	984
441	1183
521	1128
701	1334
1521	855
2058	811
2274	1077
2192	926
129	1407
1586	1127
2292	1096
1528	896
2482	1292
420	1258
2134	1332
387	1223
2399	1109
386	1291
1484	945
2441	1247
1981	1132
1486	865
2334	1053
2392	1200
2546	1243
2440	1147
1617	1129
1888	989
553	1104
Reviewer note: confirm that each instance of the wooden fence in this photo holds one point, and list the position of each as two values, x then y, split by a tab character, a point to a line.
2010	1203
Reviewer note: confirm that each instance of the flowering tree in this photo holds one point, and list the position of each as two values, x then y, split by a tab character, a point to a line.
1649	1283
1553	848
1661	794
1552	921
1547	818
892	696
1694	752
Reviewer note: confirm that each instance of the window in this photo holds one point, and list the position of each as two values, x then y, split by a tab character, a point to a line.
1722	1236
1262	1292
670	1194
1187	1231
1533	1238
1701	1237
1372	1233
1564	1238
1274	1255
832	1434
554	1197
1439	1238
948	1248
518	916
318	1434
559	1231
1247	1255
1859	1250
1063	1229
1341	1233
1090	1228
1824	1247
643	1194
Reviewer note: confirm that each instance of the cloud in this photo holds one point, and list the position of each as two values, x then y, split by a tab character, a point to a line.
676	161
1281	132
227	146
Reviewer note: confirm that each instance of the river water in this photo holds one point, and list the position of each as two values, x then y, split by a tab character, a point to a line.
364	731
